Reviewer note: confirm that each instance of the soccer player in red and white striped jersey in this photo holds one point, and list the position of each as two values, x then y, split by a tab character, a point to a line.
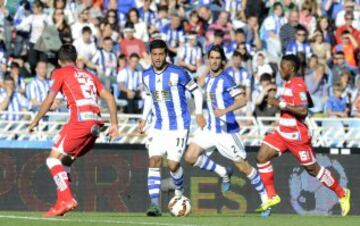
293	134
82	90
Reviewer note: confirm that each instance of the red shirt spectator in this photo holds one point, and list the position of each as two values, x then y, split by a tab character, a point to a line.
130	44
349	17
221	24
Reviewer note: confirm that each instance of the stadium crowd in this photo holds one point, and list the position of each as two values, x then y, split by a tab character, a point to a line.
111	37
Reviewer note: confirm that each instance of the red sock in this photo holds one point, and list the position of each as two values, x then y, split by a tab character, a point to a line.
267	177
61	179
328	179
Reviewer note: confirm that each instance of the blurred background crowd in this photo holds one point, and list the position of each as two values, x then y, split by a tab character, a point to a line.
111	37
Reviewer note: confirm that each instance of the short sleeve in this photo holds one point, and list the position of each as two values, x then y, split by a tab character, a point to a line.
56	81
121	77
231	87
300	94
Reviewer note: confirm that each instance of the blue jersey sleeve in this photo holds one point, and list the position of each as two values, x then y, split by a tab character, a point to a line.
231	87
187	81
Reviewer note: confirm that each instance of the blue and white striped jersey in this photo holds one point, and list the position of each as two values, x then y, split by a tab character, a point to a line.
107	62
17	103
189	54
167	89
240	76
38	89
148	17
130	78
233	7
220	93
173	37
295	47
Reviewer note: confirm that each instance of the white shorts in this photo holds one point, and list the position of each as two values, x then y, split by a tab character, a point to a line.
229	145
169	143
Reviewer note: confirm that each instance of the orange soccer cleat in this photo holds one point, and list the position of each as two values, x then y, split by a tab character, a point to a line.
61	208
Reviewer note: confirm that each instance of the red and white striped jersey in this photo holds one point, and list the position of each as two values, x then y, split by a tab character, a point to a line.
294	93
81	89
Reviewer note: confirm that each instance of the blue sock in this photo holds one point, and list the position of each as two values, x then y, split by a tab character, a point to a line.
178	178
154	181
256	182
205	163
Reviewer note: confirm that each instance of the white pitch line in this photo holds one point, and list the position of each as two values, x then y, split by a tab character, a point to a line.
91	221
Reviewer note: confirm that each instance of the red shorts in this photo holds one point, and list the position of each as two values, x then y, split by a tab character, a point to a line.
301	149
75	139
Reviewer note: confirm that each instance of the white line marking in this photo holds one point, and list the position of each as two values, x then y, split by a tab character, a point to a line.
91	221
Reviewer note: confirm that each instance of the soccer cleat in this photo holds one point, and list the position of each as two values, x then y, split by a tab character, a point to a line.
226	183
61	208
345	203
266	213
269	203
153	211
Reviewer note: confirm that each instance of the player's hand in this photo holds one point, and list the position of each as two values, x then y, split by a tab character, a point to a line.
113	132
141	126
219	112
200	121
32	125
273	101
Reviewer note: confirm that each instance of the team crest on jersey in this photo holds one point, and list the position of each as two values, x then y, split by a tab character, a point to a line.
303	96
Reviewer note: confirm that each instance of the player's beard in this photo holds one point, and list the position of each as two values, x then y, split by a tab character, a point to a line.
161	67
215	69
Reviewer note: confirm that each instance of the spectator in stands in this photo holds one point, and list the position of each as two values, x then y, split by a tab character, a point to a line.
317	86
262	107
62	26
246	58
129	82
174	35
264	81
18	78
327	30
338	66
271	31
261	66
347	84
206	16
68	14
306	18
122	62
35	23
38	88
349	46
162	19
12	101
251	30
111	19
349	18
336	106
240	75
146	14
195	24
141	31
190	55
85	45
349	6
240	37
320	47
105	63
83	21
223	24
300	44
130	44
236	7
288	30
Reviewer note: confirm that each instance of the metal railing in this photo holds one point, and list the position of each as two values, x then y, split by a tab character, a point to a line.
326	132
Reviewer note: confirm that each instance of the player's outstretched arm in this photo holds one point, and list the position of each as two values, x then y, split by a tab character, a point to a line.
298	111
110	101
240	101
44	108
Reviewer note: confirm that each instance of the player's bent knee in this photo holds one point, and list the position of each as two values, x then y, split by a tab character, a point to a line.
155	162
192	154
263	154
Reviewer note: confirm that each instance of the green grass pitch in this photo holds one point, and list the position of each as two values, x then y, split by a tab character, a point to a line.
121	219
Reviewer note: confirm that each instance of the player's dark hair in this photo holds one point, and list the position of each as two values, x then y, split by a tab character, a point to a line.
67	53
295	61
219	49
158	44
134	55
86	29
265	77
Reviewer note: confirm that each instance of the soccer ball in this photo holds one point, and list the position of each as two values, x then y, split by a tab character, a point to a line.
179	206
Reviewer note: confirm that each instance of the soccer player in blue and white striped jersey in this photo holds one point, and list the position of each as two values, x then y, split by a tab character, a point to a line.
165	86
223	97
38	88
